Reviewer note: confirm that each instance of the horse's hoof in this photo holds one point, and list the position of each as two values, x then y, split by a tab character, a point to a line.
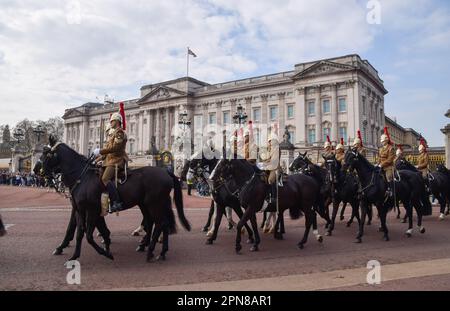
254	248
109	255
250	241
266	230
386	238
58	251
209	242
358	240
403	221
209	234
140	248
447	213
422	230
300	245
205	229
135	233
238	248
349	224
408	235
278	236
320	239
328	233
230	227
326	226
441	216
161	257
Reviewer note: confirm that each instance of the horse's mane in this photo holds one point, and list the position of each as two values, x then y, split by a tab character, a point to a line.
72	152
365	161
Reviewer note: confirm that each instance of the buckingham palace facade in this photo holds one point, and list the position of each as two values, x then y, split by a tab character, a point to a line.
334	97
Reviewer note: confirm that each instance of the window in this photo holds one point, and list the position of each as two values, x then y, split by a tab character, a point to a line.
326	108
342	105
131	146
257	114
311	108
364	105
91	133
292	136
273	113
343	133
132	128
311	136
198	123
226	117
212	118
290	111
326	132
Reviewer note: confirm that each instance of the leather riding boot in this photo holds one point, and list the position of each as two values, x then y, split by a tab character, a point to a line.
116	205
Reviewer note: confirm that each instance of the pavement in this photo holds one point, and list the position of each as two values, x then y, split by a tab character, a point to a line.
36	222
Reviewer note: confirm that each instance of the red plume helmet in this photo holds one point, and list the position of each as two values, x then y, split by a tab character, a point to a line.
423	143
342	141
122	113
328	139
386	132
360	138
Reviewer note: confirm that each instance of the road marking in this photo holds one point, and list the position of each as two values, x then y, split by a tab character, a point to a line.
317	281
7	226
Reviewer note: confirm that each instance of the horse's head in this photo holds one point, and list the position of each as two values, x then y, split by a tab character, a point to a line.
299	162
49	161
441	168
333	165
221	170
351	159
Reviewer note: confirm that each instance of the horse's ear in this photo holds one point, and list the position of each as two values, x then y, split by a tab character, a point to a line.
304	154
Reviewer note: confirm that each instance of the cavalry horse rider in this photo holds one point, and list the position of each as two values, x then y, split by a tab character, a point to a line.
271	165
114	157
423	162
386	158
399	155
358	145
250	148
340	152
328	153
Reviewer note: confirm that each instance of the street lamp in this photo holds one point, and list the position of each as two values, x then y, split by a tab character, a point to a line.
19	135
183	120
38	130
240	115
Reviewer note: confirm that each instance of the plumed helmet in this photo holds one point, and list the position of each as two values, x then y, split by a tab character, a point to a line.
327	144
116	117
398	152
421	148
356	142
384	138
340	147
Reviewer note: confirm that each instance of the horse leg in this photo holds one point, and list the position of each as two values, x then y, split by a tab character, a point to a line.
282	230
229	214
217	220
214	216
369	214
355	212
409	214
442	203
341	217
238	210
273	219
165	243
382	211
333	218
309	215
91	220
263	223
104	231
255	246
70	233
278	232
79	239
364	208
247	214
417	207
210	215
154	240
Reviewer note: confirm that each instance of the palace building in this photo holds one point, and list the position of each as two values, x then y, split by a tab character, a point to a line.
334	97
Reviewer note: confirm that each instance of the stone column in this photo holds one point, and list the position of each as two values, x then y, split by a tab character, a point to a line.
281	112
264	118
248	107
140	136
166	130
158	128
318	114
219	116
334	114
300	115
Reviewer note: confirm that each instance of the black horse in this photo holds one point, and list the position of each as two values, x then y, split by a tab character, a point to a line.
439	185
408	190
345	190
147	187
298	194
302	164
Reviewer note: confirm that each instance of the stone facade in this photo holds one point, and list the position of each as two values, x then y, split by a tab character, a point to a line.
334	97
446	132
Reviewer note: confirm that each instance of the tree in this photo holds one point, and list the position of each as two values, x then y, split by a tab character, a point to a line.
6	134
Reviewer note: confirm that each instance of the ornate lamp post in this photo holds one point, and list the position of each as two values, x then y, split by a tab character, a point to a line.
240	116
183	120
19	136
38	130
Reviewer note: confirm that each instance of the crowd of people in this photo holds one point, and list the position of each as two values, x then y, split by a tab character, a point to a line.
21	179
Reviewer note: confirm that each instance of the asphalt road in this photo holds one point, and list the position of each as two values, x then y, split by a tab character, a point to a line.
37	220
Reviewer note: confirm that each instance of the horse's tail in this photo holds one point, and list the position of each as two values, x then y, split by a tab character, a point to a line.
171	218
178	198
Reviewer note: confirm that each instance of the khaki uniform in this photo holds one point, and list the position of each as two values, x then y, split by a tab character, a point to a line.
250	152
362	151
386	157
340	157
114	153
326	156
423	162
272	164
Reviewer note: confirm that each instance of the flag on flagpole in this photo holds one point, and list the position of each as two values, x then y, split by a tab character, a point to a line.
191	53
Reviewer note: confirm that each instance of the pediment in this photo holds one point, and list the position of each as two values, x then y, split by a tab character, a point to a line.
323	68
161	93
72	113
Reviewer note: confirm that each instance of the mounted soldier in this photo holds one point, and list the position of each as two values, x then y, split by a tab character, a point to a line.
271	164
250	148
399	155
423	163
386	158
358	145
340	152
328	153
113	157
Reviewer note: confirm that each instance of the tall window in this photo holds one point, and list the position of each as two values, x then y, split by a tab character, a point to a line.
292	136
273	113
343	133
257	114
226	117
290	111
311	136
212	118
342	107
198	123
326	107
326	132
131	146
91	133
311	108
364	105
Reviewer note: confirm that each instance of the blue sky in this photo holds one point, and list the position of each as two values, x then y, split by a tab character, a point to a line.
57	54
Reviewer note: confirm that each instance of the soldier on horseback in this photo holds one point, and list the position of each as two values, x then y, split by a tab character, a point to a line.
358	145
114	157
423	163
250	148
328	153
340	152
271	165
386	158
